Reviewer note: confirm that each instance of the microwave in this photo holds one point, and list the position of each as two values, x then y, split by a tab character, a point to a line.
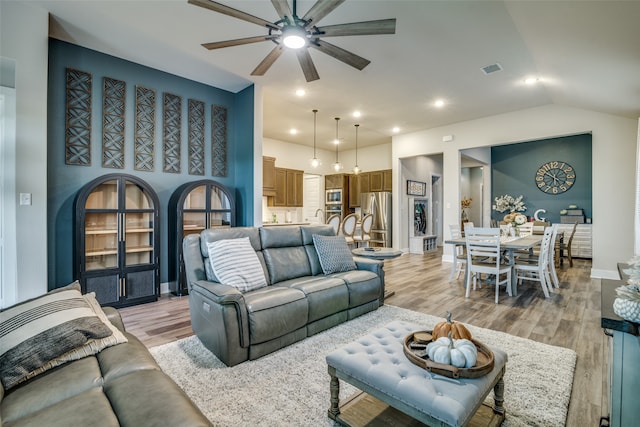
333	197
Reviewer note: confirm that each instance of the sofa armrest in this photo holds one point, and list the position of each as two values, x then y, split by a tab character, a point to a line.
219	318
376	266
114	317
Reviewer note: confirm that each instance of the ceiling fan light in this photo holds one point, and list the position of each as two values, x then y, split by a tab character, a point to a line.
294	37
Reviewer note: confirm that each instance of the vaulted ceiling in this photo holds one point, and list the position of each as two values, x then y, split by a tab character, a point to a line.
585	53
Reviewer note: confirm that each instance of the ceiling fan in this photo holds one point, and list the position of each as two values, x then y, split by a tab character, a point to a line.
300	33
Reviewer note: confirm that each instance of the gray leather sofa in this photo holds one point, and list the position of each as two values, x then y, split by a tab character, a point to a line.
120	386
299	300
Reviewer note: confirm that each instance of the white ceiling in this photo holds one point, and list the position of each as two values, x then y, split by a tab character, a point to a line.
586	52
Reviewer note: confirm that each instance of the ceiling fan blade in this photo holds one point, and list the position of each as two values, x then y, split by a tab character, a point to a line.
237	42
268	61
365	28
340	54
226	10
319	10
309	70
283	9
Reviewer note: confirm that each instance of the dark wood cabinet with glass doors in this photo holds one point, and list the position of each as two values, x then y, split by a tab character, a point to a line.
193	207
116	248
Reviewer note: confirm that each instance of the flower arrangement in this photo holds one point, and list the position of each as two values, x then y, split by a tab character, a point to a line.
466	202
627	304
509	203
515	219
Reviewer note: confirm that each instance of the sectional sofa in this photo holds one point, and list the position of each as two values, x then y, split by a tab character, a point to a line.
307	290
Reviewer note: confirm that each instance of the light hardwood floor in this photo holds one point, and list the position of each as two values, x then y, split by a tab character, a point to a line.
570	318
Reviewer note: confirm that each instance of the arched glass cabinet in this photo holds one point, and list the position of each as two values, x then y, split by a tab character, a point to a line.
194	207
116	248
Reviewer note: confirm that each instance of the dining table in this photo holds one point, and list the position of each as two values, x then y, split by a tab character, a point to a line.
509	244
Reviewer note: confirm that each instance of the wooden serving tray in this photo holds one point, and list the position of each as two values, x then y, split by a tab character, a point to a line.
484	363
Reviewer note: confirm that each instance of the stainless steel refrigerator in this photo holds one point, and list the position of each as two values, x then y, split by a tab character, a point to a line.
378	204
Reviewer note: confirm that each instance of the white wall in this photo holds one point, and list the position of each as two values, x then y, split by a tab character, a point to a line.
24	38
614	149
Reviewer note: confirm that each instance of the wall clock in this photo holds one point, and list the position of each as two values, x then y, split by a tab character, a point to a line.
555	177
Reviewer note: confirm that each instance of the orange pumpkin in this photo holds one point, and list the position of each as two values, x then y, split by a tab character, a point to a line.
458	330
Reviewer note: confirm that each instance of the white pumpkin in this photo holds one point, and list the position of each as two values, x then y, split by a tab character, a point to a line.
459	353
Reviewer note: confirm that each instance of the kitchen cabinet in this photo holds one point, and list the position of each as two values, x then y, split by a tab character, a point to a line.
294	188
386	180
289	188
117	244
335	181
354	190
193	207
268	176
376	181
364	182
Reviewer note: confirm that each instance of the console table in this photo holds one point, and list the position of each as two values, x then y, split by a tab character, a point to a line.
624	376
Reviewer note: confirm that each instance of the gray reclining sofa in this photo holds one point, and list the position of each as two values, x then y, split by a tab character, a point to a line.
299	301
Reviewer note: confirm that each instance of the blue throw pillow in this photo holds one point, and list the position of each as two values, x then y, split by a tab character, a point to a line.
334	254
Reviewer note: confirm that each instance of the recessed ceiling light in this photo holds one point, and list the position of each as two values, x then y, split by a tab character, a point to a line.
531	80
396	129
293	131
439	103
300	92
357	113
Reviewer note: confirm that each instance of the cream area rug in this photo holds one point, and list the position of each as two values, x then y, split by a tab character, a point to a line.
290	387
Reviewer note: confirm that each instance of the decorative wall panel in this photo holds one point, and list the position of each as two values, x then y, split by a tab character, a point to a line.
113	111
171	132
78	118
219	140
145	133
196	137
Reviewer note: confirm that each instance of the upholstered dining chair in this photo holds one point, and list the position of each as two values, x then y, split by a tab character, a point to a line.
364	235
334	221
484	257
348	228
459	255
536	268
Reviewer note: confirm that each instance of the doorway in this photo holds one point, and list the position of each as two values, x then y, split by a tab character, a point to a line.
436	207
312	201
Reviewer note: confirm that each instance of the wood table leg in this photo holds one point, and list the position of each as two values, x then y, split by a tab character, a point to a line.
334	387
498	396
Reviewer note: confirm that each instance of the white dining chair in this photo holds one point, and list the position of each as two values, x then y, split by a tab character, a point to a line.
348	228
334	221
536	268
525	229
364	235
459	255
484	257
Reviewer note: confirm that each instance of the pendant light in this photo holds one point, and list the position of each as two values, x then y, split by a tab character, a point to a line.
337	166
356	169
314	162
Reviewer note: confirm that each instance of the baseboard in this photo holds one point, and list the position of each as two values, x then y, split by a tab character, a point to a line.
164	288
604	274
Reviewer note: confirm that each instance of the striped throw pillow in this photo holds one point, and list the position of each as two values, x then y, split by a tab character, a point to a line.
37	331
235	263
334	254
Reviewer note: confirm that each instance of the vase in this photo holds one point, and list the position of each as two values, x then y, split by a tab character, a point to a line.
628	310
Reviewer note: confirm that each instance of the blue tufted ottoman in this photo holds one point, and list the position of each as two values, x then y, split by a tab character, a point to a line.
377	365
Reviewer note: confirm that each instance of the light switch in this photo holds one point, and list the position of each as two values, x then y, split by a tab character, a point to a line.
25	199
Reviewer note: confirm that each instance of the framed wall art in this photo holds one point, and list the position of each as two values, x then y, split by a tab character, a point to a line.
416	188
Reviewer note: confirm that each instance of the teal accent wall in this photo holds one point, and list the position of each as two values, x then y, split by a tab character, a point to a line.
64	181
514	169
